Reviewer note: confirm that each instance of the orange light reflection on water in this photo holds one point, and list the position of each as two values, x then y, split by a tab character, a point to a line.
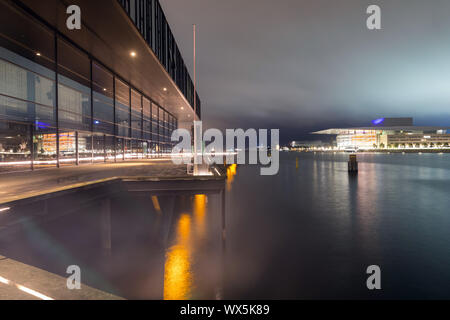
231	173
178	272
199	214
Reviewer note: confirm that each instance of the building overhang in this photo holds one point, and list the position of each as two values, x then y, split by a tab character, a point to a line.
109	36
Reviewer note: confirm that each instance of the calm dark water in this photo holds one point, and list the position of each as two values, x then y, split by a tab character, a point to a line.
307	233
311	232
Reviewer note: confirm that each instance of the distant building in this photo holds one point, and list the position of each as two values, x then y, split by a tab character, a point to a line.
308	144
390	133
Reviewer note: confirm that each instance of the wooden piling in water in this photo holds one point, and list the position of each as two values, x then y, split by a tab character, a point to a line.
352	164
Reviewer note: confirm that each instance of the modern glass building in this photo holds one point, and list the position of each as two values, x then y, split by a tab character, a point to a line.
111	91
390	133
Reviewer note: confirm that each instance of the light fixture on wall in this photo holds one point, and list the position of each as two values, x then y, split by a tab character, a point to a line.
38	54
133	54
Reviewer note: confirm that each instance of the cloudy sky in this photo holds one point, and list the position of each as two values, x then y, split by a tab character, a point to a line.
304	65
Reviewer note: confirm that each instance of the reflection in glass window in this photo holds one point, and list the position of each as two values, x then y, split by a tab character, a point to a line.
164	127
15	145
25	95
103	87
122	109
136	114
147	125
73	64
155	123
74	104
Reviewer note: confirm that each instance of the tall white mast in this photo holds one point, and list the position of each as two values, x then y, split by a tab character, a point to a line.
195	106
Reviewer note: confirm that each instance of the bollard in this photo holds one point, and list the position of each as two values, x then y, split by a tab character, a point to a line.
352	164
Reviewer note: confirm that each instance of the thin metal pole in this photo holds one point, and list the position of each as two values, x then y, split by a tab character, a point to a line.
56	99
195	105
130	135
104	148
76	147
91	83
195	76
106	226
159	134
141	143
224	227
91	73
142	117
115	131
115	148
32	146
151	130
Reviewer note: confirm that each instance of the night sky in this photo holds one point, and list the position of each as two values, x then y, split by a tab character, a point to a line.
301	66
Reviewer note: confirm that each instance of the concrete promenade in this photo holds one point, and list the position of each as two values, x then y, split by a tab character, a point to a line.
19	281
20	185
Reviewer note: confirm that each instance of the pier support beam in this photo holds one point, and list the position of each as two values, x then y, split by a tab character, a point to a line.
168	212
105	226
224	234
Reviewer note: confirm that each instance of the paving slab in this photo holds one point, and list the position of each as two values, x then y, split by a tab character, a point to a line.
19	281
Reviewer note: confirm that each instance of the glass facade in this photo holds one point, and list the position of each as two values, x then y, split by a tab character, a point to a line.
60	107
151	22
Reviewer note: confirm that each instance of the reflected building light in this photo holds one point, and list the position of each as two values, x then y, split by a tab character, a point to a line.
178	279
203	172
33	293
200	201
4	281
231	173
156	204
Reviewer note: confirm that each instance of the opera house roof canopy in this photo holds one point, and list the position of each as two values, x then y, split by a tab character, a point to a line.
386	124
